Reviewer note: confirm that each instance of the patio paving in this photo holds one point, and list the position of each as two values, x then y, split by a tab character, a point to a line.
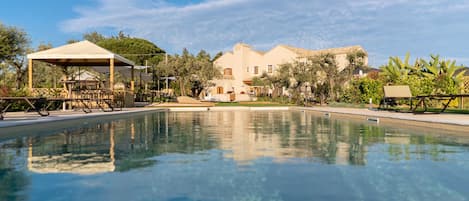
21	118
445	118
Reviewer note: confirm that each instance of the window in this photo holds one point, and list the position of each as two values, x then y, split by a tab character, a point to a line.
269	69
256	69
227	71
219	90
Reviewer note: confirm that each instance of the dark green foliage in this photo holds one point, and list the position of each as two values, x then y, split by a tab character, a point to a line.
316	78
361	90
424	77
192	73
94	37
136	49
14	44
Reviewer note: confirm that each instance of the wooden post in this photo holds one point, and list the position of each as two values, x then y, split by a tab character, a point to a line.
111	74
30	75
461	102
132	80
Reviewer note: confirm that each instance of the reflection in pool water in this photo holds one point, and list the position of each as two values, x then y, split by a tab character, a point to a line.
289	155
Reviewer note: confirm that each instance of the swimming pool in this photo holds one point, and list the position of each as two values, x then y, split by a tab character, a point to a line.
233	155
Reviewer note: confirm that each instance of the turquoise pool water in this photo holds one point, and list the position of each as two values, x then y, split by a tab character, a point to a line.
235	156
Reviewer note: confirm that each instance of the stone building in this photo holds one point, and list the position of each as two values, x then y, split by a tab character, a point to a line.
244	63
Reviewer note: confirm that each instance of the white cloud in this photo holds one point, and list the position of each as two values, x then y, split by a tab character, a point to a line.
214	25
211	24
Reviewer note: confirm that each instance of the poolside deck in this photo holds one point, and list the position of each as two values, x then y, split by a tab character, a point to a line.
444	118
21	118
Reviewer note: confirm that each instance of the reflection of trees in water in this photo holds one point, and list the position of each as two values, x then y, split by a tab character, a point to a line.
12	180
311	136
134	141
334	141
420	147
159	134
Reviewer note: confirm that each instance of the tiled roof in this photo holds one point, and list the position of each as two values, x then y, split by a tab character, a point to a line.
306	52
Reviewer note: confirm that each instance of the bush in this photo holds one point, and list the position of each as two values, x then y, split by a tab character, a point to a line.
361	90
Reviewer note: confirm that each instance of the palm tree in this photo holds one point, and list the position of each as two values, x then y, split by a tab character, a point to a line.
446	75
397	71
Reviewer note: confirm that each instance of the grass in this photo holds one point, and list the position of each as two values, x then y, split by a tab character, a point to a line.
336	104
430	110
449	110
347	105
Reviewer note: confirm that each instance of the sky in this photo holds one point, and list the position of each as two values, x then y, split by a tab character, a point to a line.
383	28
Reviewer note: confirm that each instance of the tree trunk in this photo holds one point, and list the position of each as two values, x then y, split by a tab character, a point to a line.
18	81
19	75
181	87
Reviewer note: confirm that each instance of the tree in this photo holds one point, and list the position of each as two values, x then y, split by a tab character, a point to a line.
328	72
203	72
94	37
362	89
136	49
301	72
14	44
218	55
281	78
72	41
192	73
396	71
446	75
41	69
356	61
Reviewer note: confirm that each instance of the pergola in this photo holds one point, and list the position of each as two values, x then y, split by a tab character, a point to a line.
82	53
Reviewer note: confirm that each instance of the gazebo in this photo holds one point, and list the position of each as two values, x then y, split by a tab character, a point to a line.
82	53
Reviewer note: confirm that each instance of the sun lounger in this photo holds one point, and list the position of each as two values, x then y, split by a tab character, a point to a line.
86	108
35	103
422	101
41	105
393	93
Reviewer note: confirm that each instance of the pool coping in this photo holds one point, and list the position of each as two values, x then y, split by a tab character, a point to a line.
452	122
446	122
443	122
62	117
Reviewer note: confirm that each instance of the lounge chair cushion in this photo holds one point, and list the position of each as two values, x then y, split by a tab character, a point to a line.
398	91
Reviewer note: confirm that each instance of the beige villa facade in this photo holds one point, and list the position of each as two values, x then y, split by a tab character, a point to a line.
244	63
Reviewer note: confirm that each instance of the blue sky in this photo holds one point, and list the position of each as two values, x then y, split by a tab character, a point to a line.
383	27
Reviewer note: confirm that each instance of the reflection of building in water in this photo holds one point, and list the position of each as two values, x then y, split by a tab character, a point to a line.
285	135
246	139
395	138
252	135
133	142
246	136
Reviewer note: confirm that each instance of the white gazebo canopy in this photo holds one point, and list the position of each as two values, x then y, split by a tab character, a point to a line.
82	53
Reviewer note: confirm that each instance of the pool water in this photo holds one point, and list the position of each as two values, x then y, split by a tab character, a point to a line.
235	156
